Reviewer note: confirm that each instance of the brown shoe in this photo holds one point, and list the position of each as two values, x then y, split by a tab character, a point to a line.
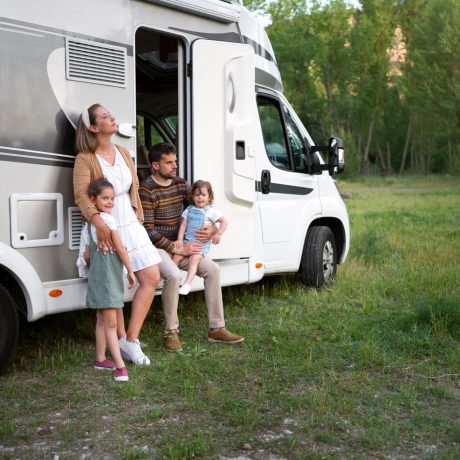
222	335
171	342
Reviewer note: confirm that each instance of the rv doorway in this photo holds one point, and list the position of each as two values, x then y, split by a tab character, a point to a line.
158	79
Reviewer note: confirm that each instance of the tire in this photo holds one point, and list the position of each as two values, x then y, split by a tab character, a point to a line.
319	257
9	328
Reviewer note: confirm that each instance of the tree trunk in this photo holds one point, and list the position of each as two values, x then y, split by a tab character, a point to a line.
406	148
381	160
389	166
365	162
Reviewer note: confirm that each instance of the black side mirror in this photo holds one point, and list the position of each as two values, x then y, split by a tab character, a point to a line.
335	163
336	156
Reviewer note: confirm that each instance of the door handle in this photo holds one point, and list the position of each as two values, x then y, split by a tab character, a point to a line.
265	181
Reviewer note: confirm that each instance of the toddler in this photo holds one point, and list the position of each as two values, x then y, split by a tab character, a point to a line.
194	217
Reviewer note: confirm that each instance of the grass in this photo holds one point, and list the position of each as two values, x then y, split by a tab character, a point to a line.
366	368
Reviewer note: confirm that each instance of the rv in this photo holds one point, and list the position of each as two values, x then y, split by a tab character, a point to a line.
200	74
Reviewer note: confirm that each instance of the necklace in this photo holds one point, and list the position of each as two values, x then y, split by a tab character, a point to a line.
106	155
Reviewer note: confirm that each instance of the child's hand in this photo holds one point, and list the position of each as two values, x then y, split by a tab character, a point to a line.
179	244
216	238
131	279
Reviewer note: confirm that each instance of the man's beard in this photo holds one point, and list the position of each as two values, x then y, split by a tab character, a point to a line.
171	175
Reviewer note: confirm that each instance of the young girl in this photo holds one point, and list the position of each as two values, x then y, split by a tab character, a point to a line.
105	280
194	217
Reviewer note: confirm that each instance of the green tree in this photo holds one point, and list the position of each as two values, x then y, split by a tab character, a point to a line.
432	86
385	77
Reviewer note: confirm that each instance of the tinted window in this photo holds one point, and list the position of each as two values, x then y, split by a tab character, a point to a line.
271	122
147	133
297	144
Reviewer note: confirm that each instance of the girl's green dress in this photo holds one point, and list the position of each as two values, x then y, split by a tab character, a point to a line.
105	278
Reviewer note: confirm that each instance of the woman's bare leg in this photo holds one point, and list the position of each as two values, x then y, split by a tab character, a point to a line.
148	279
121	329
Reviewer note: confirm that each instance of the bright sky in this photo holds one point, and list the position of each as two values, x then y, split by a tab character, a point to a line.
265	21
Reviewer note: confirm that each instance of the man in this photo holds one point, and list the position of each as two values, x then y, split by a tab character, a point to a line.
163	196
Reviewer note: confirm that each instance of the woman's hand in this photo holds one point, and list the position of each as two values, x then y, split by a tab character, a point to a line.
104	239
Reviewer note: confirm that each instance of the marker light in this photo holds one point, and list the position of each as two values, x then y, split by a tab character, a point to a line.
259	265
55	293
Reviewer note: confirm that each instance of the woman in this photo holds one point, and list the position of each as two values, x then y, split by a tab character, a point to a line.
100	158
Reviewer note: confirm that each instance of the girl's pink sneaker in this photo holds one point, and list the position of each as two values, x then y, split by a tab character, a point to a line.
106	365
121	374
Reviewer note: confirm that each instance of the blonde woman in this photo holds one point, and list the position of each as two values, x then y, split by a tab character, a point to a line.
99	158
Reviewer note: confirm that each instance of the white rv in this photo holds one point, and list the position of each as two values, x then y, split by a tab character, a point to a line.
198	73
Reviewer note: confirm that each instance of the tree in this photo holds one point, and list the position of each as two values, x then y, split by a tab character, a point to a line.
384	76
432	85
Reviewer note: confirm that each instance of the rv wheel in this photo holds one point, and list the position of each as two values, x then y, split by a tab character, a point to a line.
9	327
319	257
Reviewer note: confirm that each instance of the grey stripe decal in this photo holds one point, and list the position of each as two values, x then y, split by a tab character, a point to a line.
32	157
52	30
285	189
259	49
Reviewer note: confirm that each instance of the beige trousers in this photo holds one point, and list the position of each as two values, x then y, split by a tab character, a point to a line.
209	271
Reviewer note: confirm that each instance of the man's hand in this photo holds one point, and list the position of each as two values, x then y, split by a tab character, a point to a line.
192	247
204	234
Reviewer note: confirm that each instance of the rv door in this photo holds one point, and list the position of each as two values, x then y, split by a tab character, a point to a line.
223	111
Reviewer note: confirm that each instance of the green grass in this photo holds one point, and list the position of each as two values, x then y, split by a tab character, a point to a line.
366	368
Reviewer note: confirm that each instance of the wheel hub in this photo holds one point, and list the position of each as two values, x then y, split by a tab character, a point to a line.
328	261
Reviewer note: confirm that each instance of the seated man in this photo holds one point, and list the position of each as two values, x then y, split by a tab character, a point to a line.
163	196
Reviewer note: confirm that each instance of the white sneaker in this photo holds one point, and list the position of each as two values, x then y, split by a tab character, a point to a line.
132	351
185	289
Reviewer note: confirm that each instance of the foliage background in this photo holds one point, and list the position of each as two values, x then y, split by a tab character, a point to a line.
383	75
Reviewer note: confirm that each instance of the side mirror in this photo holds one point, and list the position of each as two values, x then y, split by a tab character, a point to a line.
127	130
335	157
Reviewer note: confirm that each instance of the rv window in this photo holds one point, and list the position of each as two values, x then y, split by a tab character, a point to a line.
147	133
273	132
296	143
171	122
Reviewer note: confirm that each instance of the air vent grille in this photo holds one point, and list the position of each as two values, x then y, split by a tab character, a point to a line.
75	226
95	62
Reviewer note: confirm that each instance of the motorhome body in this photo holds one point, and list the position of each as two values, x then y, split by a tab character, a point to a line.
198	73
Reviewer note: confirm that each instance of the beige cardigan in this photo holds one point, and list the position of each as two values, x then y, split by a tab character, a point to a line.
87	169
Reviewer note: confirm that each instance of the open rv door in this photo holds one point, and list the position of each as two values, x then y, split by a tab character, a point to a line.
223	118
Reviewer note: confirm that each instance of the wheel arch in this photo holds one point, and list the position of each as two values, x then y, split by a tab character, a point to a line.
22	281
13	286
337	229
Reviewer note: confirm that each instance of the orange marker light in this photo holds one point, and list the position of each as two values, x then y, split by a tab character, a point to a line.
55	293
259	265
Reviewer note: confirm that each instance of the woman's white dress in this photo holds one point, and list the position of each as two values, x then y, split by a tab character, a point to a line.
141	251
